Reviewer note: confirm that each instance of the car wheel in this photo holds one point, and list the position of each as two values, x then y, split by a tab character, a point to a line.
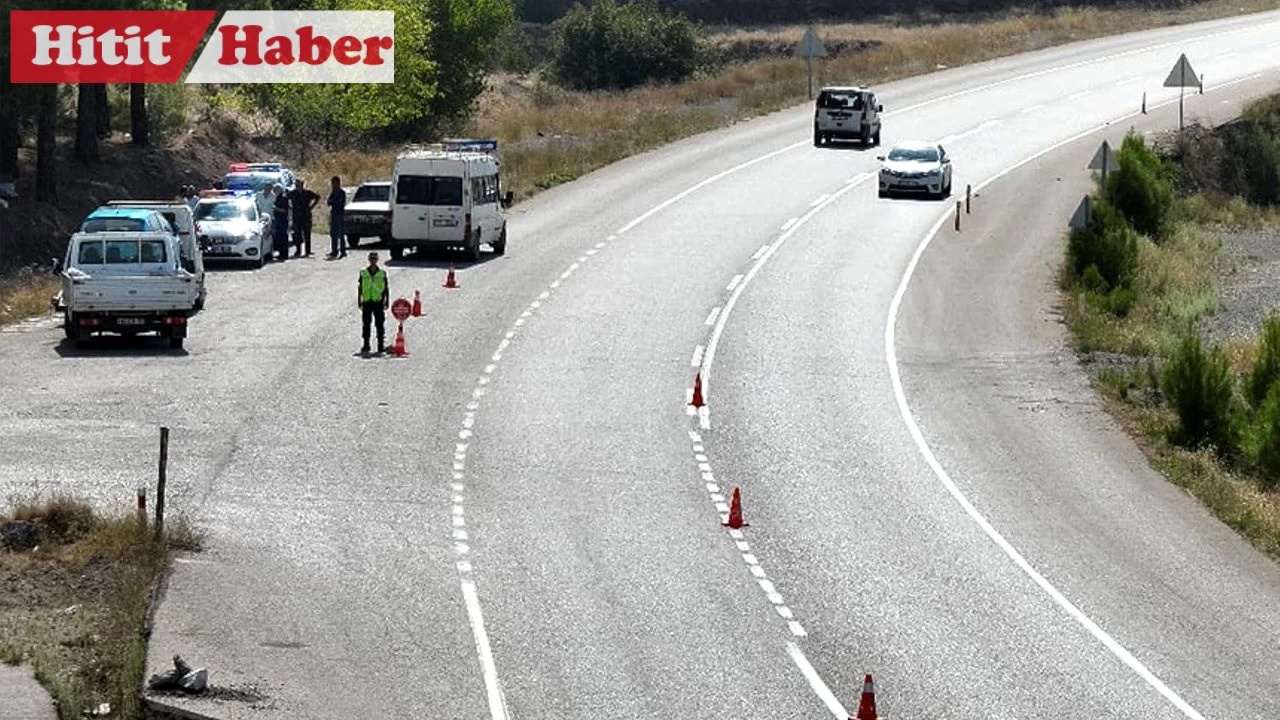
68	326
817	139
472	253
176	342
877	138
353	240
500	247
397	251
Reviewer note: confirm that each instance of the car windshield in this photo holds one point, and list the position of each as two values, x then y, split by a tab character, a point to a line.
840	101
915	154
221	212
427	190
113	224
372	193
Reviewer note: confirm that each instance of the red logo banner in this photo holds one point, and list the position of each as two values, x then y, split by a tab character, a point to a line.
104	46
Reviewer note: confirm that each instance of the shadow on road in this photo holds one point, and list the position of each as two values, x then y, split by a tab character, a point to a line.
440	260
111	346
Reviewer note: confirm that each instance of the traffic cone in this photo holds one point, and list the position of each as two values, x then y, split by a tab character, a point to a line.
867	704
696	401
398	349
417	304
449	281
735	511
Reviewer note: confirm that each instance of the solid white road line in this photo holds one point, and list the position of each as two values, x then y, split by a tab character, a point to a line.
1079	95
787	225
1033	108
497	703
697	356
815	681
922	445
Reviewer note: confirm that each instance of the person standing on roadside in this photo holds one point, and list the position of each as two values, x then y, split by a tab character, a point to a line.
373	296
280	222
304	201
337	218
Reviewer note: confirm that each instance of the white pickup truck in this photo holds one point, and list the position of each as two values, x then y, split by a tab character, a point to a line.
126	283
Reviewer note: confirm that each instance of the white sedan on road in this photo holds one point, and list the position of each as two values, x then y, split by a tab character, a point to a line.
916	167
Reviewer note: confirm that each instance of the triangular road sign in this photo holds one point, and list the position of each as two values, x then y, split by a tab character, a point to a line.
1104	159
810	46
1182	75
1080	220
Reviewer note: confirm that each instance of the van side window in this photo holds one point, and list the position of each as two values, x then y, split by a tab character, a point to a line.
484	190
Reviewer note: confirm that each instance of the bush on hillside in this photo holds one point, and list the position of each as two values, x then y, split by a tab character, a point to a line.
1104	254
1266	366
1141	188
1261	165
615	46
1199	383
1264	443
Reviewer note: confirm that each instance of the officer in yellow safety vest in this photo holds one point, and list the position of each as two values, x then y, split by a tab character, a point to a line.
373	297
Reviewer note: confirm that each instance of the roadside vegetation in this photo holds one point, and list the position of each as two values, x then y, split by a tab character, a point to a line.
78	589
1183	326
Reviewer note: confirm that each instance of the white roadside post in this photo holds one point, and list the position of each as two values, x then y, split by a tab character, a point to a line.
810	47
1182	77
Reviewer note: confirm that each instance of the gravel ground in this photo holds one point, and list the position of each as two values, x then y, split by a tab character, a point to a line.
1249	284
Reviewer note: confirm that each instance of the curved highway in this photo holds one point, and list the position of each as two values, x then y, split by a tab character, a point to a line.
521	519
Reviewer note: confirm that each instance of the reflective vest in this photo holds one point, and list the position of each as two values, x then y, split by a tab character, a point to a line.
372	286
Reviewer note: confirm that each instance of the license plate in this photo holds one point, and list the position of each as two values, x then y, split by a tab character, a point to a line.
130	321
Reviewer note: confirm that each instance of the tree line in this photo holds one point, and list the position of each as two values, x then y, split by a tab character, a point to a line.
748	12
442	51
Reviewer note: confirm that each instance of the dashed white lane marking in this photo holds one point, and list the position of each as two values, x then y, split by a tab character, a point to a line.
739	540
763	249
1033	108
787	225
1082	93
734	282
904	409
815	681
697	356
1274	45
711	317
821	199
1225	55
958	136
1129	81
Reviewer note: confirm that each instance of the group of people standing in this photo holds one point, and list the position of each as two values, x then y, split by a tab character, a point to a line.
297	204
300	202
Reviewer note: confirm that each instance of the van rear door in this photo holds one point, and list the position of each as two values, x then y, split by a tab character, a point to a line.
429	203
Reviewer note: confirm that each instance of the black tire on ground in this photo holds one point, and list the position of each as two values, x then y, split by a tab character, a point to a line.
397	252
866	136
353	240
472	253
68	326
175	342
500	246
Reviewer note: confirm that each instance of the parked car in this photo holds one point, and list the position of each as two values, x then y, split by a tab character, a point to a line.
230	227
846	113
916	167
259	177
126	283
179	215
369	212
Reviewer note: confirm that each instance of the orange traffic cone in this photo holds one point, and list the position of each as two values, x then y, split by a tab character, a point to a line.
398	349
449	281
696	401
867	704
417	304
735	510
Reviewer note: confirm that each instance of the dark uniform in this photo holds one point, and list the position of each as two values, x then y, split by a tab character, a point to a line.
280	225
373	296
303	201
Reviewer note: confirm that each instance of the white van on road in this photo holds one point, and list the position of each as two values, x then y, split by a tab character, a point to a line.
445	198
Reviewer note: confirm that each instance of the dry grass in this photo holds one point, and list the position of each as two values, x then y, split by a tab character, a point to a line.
1175	286
76	606
550	135
1237	499
24	297
1228	213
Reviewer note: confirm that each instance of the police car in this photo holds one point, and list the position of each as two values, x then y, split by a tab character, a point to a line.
230	226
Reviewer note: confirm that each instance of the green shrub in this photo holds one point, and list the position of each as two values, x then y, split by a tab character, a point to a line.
1199	384
1121	301
1261	165
1108	245
1266	366
1141	188
1264	443
618	46
1092	279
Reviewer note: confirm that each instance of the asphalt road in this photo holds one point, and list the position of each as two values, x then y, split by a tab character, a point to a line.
520	519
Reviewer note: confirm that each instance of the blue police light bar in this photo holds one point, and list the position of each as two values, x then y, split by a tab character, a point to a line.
266	167
468	145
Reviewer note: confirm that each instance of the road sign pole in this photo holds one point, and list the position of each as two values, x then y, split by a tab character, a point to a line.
1182	91
808	61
